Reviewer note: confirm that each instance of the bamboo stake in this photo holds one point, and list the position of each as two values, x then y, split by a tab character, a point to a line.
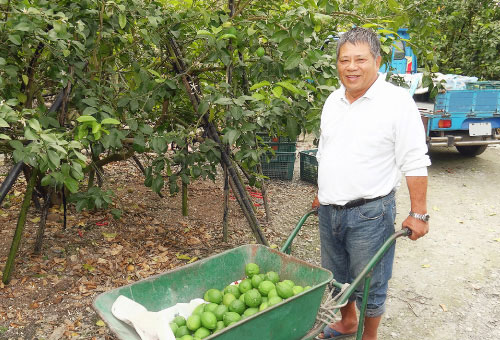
20	226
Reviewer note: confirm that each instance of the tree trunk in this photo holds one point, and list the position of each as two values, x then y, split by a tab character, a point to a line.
20	226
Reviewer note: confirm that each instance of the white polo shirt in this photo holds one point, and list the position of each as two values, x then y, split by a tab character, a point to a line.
365	146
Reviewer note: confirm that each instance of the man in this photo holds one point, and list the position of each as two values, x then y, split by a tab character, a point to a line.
371	133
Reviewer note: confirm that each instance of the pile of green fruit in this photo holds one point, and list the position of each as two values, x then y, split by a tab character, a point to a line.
237	301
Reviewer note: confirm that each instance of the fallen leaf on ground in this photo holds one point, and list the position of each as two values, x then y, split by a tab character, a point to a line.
443	307
426	266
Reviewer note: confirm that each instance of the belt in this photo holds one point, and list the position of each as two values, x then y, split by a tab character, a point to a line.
357	202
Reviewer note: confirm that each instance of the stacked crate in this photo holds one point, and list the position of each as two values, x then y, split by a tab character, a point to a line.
309	166
279	165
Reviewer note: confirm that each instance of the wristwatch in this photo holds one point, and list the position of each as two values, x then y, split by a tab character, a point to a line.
421	217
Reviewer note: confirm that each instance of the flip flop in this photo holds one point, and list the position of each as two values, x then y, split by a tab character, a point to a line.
331	333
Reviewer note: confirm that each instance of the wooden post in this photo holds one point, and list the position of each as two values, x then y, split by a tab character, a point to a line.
20	226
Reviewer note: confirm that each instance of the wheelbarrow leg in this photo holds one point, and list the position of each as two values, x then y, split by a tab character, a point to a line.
362	312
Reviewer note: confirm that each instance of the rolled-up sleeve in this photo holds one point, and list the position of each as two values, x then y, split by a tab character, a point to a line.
410	143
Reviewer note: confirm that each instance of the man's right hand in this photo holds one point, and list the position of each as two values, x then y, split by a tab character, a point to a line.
315	203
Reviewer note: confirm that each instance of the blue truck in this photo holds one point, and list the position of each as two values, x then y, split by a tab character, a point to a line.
468	120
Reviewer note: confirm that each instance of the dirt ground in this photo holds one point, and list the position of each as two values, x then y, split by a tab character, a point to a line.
445	286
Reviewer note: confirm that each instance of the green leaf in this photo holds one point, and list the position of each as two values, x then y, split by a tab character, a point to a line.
29	134
157	184
290	87
71	184
3	123
277	91
287	44
25	79
203	107
54	158
231	136
15	39
89	111
292	61
259	85
35	125
4	136
84	119
224	101
393	5
122	20
16	145
110	121
227	36
204	32
22	26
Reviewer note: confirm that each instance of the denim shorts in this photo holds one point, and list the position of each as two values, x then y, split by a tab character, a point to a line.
350	237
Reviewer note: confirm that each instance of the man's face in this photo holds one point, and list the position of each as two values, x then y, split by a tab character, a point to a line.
357	69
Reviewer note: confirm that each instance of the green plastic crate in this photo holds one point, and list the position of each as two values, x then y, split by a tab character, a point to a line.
274	139
280	165
309	166
283	146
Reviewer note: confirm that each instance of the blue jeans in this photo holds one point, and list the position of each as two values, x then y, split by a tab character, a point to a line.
350	237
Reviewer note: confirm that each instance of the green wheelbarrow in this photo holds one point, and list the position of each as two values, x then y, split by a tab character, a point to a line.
294	318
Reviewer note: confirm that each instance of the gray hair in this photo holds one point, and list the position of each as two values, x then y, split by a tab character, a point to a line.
360	35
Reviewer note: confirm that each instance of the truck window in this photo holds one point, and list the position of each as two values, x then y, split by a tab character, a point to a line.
399	50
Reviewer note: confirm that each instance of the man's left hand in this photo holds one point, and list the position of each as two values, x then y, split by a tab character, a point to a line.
418	228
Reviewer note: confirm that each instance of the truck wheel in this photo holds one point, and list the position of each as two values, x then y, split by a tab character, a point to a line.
471	150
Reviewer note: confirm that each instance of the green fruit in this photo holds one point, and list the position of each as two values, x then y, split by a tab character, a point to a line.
237	306
273	277
297	290
208	320
260	52
199	309
289	282
213	295
220	325
242	298
265	287
274	300
272	293
180	320
263	306
210	307
193	322
183	330
307	287
187	337
264	299
251	269
245	286
256	281
201	333
253	298
231	317
227	298
250	311
284	290
233	289
173	327
219	311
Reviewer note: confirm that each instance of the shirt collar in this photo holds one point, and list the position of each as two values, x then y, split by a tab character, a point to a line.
371	92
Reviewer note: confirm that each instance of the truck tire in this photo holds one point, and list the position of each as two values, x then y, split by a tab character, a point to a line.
471	150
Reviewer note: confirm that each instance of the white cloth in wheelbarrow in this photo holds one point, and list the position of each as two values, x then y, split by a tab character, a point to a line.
151	325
